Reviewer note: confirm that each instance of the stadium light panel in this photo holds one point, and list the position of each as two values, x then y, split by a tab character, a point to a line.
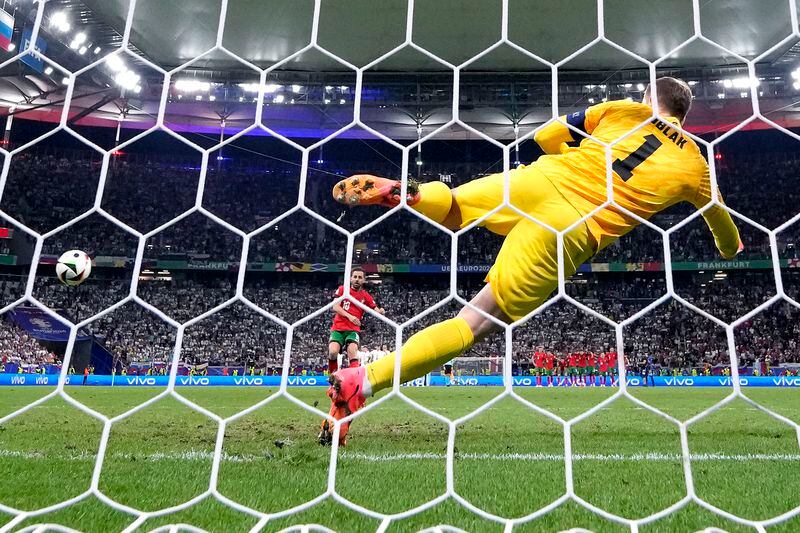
65	80
82	50
80	37
745	82
12	47
640	86
59	21
341	100
278	99
115	63
212	97
249	87
328	100
74	44
48	70
296	89
97	50
272	87
192	86
127	79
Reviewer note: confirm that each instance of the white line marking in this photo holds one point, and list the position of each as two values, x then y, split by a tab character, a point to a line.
202	455
637	457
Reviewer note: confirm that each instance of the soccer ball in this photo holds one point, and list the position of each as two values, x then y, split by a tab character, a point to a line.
73	267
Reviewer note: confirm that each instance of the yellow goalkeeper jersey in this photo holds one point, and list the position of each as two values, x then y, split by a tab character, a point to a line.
653	168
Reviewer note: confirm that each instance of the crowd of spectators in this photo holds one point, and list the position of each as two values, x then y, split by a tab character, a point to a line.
146	196
670	335
18	348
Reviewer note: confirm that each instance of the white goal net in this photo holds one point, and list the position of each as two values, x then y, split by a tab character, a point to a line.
502	364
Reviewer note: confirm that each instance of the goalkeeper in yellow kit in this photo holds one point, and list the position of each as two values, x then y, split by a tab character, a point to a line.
653	169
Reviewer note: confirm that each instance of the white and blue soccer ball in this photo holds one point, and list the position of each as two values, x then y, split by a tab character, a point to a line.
73	267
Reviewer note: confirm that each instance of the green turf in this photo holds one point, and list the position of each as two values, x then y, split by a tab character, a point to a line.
507	459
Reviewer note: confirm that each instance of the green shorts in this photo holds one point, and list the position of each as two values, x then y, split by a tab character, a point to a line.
572	370
591	370
344	338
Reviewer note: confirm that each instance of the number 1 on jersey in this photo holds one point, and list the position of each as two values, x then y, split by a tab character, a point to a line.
625	167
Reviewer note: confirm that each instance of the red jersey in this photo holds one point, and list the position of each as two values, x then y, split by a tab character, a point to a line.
538	359
592	360
603	363
582	360
341	323
573	360
548	361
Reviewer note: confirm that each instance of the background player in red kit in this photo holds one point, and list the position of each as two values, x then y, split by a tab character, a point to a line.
562	370
591	367
538	363
572	368
347	320
603	363
582	368
549	359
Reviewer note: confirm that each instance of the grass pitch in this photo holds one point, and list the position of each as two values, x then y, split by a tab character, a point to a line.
509	459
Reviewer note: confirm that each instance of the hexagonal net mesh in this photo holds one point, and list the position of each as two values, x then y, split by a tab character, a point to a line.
569	493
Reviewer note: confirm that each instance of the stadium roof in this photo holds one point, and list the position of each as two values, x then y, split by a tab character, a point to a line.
409	88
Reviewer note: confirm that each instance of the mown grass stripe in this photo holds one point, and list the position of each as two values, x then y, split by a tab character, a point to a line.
201	455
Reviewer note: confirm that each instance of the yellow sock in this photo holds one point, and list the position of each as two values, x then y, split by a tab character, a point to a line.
435	199
422	352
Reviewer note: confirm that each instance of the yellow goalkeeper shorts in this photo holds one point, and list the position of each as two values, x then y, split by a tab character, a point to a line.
525	271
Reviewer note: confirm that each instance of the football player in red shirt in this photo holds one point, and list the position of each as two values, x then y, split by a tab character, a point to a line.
582	368
538	363
603	362
347	320
548	368
591	367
